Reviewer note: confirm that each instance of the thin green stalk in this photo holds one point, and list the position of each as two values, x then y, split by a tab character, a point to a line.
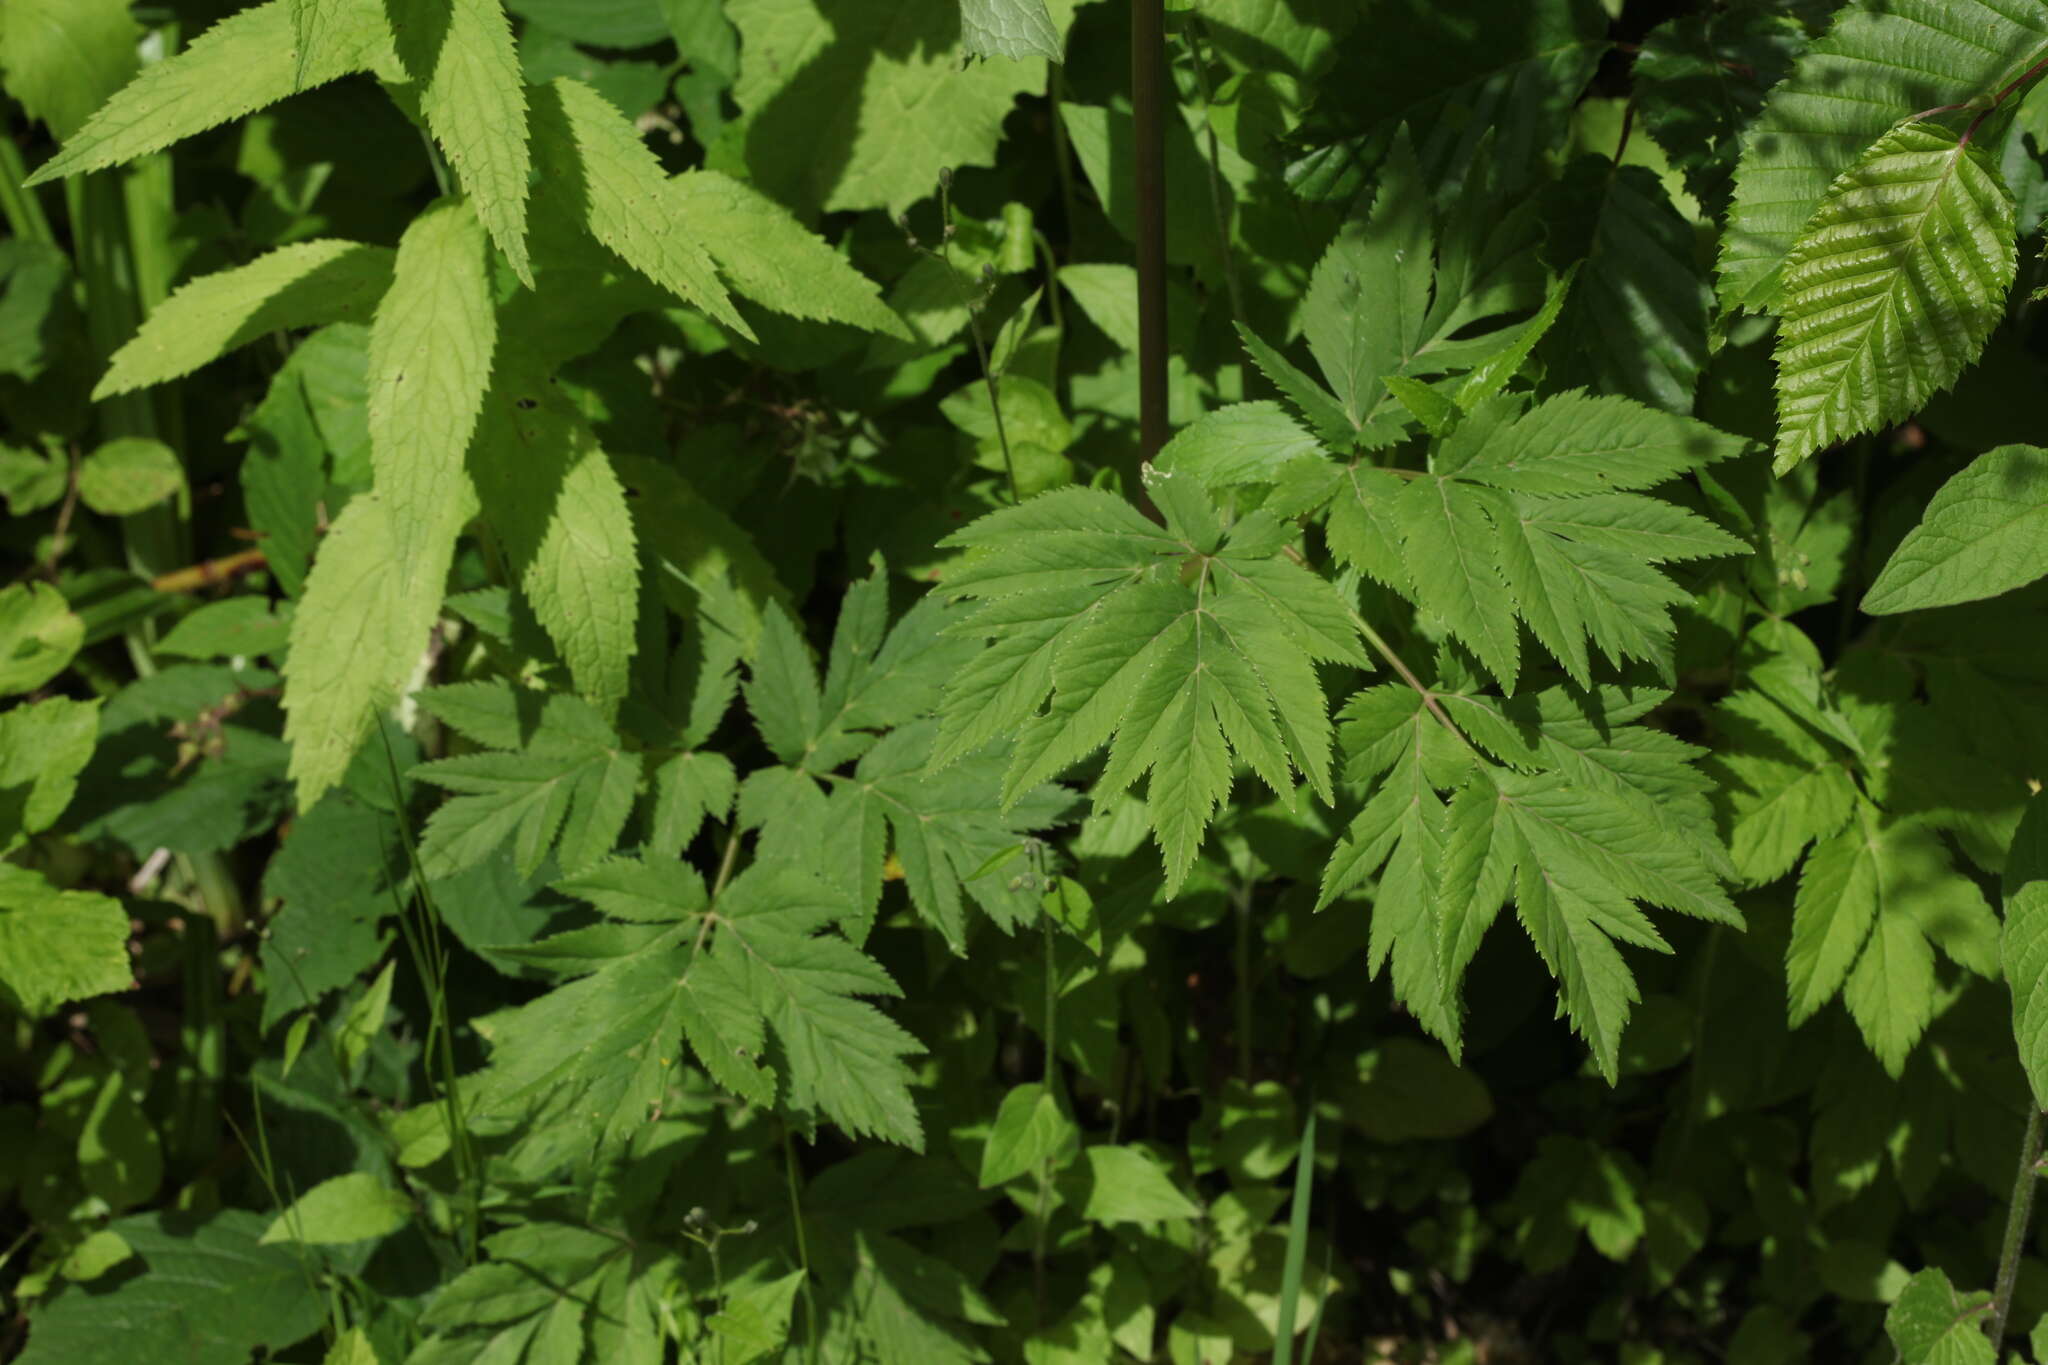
2017	1215
18	204
1062	153
1297	1239
988	374
1148	161
1241	905
803	1250
1048	1078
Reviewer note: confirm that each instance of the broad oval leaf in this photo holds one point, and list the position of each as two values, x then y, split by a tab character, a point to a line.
1892	288
1984	533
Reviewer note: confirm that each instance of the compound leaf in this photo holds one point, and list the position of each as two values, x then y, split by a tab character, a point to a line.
1175	646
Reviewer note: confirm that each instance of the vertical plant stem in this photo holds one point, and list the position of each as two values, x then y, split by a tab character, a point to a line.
1049	1075
803	1250
1062	152
1148	159
18	204
1296	1258
2016	1218
1241	907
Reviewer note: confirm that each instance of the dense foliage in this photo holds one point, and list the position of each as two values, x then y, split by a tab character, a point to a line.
615	749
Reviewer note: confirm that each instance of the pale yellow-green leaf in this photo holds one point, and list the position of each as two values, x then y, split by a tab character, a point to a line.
348	1208
773	259
38	636
460	53
356	638
549	492
246	61
430	364
58	945
129	474
592	157
303	285
64	58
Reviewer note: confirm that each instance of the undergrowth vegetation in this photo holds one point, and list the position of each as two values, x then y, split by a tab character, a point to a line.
1046	681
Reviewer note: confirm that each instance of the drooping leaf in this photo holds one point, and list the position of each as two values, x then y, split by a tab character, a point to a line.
358	632
550	493
771	258
303	285
1888	294
243	63
1984	533
460	55
1882	61
592	158
430	364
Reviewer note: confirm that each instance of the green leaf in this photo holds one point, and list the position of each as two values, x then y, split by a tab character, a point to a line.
1595	815
230	628
1784	786
1882	61
2023	945
208	1293
1636	323
549	492
303	285
588	153
716	975
355	639
1124	1185
39	636
1239	444
1030	1129
1873	902
1984	533
772	259
129	474
1368	300
1009	28
246	61
1539	518
1931	1324
1700	82
755	1321
1890	291
430	364
460	55
57	946
1108	294
1083	597
43	748
357	1207
566	779
65	58
831	99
